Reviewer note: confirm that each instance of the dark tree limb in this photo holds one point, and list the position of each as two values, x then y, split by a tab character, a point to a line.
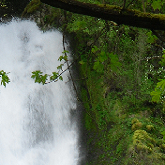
129	17
158	35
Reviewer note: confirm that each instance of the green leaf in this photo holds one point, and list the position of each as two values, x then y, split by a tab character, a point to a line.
4	77
54	76
157	4
65	57
162	62
151	38
44	78
60	58
98	66
158	93
61	78
161	84
81	25
163	133
94	49
156	96
102	56
65	51
115	64
81	62
60	67
37	75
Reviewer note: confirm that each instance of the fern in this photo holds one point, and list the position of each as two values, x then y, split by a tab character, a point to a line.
158	93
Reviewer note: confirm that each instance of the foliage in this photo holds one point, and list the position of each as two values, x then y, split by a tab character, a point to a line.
118	75
157	4
119	68
119	79
104	56
39	77
151	38
159	92
4	78
31	7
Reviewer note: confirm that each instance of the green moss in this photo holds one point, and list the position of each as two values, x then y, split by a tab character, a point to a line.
137	125
114	141
131	12
110	7
31	7
110	143
143	136
135	120
149	127
143	148
117	136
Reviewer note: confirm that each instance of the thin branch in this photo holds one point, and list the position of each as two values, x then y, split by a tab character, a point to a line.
60	73
150	58
144	9
124	4
159	36
74	86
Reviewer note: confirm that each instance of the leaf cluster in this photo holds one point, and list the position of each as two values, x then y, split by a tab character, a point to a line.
159	92
158	95
4	78
39	77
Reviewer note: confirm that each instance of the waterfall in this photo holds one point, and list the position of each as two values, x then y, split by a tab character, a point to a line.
36	125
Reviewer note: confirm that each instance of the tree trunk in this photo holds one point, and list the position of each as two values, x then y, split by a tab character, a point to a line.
117	14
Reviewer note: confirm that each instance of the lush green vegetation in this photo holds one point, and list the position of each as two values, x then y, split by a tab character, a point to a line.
122	83
119	67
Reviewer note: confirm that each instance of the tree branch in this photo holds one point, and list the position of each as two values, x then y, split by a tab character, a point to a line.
158	35
129	17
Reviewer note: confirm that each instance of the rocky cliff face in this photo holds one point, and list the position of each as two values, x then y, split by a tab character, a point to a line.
45	16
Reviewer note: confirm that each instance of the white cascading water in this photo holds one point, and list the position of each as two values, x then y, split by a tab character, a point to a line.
35	122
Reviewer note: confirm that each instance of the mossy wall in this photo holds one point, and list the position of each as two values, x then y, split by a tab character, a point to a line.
45	16
115	136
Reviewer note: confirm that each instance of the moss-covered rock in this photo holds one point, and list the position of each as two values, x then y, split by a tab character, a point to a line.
135	120
31	7
140	147
143	141
137	125
150	127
